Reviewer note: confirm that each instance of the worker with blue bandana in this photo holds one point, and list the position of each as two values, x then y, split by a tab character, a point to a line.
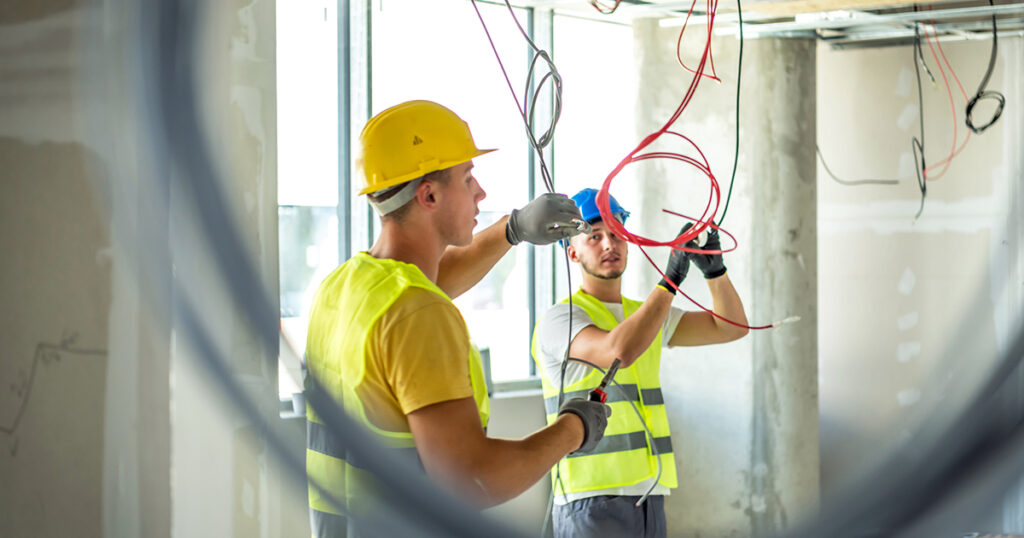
597	494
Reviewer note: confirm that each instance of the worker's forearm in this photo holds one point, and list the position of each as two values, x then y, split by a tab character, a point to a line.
727	304
634	335
510	467
462	267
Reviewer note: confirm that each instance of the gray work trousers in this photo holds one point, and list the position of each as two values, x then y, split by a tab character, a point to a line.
609	516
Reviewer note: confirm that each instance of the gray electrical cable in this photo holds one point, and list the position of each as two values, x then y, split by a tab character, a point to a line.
527	111
851	182
650	436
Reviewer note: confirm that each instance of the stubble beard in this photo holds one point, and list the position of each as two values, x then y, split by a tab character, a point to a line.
590	271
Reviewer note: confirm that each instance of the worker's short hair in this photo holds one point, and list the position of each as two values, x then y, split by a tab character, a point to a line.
379	199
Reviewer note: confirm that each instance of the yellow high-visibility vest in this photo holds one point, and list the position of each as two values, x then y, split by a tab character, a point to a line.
347	305
624	456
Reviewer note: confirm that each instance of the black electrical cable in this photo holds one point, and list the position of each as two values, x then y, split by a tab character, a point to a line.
736	153
851	182
924	64
919	62
916	144
982	94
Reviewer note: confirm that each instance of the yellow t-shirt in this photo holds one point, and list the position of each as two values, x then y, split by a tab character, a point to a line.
417	357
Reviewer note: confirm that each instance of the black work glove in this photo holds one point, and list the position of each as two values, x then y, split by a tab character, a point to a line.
546	219
678	265
595	419
712	265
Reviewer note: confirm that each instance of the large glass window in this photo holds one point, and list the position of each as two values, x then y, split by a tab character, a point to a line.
437	50
449	60
597	127
307	166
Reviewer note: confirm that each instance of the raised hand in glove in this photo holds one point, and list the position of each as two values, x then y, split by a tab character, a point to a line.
594	416
678	265
712	265
548	218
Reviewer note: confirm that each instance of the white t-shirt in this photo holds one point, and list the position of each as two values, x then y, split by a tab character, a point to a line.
553	338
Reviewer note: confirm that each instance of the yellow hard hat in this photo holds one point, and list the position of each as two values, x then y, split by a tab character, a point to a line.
410	140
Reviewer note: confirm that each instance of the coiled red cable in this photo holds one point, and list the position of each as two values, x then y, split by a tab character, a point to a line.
700	163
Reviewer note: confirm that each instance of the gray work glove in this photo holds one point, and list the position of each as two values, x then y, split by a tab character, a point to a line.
678	265
712	265
548	218
595	419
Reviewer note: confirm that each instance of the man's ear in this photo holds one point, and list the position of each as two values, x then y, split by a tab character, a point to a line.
427	194
572	253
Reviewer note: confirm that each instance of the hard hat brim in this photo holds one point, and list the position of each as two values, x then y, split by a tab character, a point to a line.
425	169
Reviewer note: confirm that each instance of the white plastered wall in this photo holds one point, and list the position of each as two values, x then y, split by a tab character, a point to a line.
897	293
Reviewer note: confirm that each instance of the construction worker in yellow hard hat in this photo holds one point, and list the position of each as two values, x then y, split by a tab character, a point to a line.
386	341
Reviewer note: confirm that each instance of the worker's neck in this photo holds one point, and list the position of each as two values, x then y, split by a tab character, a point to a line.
608	290
410	243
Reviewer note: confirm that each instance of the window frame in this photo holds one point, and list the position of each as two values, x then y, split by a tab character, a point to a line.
357	224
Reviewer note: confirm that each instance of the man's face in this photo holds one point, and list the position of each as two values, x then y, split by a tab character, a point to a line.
600	253
460	196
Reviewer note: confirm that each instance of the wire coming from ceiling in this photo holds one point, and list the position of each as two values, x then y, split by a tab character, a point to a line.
982	94
605	8
736	146
531	95
917	143
706	219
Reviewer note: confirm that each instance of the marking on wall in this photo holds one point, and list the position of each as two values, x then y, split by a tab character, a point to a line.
907	117
907	281
904	83
46	354
907	321
248	498
908	397
907	351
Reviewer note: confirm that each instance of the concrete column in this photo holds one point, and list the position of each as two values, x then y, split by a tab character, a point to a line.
779	93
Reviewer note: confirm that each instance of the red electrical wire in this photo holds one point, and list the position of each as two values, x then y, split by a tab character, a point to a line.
603	8
701	164
954	151
679	44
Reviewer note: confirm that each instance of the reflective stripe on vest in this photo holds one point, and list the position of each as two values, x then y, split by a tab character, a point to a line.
347	306
624	456
327	525
616	393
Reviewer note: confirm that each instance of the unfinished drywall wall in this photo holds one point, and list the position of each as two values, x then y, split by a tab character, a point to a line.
897	293
109	426
227	479
55	285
